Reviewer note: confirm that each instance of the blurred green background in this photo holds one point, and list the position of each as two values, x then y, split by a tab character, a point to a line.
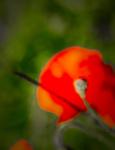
31	31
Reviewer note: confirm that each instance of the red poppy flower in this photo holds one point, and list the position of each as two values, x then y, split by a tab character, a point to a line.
66	69
21	145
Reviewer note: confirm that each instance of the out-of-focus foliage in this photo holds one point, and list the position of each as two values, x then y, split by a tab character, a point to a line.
30	33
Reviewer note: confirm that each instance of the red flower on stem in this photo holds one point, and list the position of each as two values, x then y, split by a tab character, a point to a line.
62	78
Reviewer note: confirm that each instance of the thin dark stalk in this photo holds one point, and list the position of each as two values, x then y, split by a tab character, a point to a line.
36	83
27	78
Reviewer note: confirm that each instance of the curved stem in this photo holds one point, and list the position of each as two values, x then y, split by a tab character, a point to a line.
58	138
